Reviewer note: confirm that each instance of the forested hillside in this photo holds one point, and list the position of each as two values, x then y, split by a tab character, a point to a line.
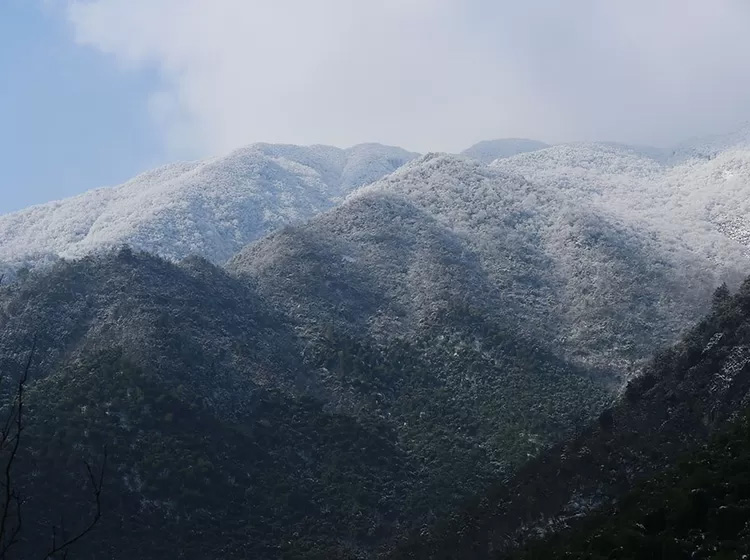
683	399
446	233
698	508
229	433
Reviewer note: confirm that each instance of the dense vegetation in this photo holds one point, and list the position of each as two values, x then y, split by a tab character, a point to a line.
684	397
587	285
699	509
231	432
184	484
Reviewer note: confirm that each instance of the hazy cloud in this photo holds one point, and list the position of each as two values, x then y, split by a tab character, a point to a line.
430	74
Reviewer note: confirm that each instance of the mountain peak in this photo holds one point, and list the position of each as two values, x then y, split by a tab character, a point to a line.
211	208
708	147
488	151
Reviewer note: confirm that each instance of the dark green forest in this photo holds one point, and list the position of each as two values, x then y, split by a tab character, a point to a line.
700	508
387	445
661	473
228	434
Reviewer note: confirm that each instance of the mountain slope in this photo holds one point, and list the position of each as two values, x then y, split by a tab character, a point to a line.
231	434
209	208
158	314
183	482
378	264
696	509
685	395
219	441
699	201
445	232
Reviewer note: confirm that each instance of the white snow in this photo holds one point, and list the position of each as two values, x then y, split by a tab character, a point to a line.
210	208
693	198
701	203
600	234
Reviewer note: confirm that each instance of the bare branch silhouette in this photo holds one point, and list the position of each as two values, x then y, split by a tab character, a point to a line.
11	518
97	483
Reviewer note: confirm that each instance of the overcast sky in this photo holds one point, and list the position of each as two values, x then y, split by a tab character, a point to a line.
101	89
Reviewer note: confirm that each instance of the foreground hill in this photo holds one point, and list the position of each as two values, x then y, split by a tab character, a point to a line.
685	396
696	509
210	208
232	435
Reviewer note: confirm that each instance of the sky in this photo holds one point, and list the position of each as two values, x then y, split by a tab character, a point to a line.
95	91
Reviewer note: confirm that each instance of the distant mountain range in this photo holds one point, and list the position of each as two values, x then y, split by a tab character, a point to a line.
214	208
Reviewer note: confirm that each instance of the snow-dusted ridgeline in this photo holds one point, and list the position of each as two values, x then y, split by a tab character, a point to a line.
490	150
545	261
702	203
210	208
696	195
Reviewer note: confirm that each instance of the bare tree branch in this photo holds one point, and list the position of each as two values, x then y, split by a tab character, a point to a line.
10	529
97	483
11	519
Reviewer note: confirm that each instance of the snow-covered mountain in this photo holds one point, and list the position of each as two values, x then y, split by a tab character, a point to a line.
695	194
705	203
490	150
413	330
210	208
707	147
445	236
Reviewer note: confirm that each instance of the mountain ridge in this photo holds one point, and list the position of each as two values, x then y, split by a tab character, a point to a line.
211	208
222	419
487	151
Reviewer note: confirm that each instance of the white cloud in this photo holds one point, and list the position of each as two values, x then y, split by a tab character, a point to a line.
429	74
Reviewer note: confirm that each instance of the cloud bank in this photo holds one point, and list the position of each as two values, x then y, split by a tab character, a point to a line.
429	74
